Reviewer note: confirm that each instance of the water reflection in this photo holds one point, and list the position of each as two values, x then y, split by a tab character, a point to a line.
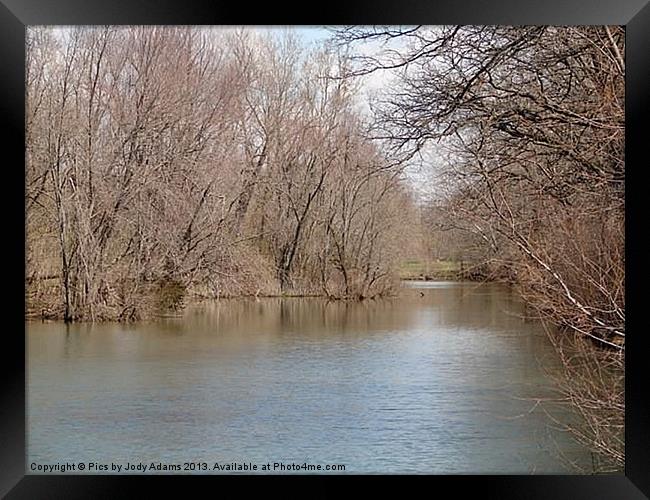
439	380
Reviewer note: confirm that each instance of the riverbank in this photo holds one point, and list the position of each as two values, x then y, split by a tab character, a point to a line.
165	299
161	299
442	270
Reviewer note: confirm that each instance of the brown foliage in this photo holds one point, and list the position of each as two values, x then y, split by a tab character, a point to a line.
204	158
526	129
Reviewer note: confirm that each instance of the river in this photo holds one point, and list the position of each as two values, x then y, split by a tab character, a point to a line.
443	379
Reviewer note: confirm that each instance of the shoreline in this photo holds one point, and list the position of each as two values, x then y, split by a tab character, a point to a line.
194	300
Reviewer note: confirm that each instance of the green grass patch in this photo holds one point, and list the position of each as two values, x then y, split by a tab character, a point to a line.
415	269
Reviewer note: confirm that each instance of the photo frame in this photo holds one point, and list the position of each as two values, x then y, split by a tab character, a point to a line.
15	15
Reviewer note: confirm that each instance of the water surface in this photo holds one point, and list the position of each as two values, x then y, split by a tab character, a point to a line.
441	380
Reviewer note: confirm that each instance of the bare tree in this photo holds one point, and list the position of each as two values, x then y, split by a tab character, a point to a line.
530	121
172	161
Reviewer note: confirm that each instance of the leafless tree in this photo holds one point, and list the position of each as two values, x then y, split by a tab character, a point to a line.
528	127
172	161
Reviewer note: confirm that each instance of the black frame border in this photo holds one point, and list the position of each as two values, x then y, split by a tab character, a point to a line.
15	15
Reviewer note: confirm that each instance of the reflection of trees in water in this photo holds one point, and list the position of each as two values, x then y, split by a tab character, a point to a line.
462	305
303	316
474	305
450	357
486	308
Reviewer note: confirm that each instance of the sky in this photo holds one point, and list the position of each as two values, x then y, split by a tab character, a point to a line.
312	34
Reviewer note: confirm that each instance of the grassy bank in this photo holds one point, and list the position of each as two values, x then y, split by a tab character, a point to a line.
439	270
